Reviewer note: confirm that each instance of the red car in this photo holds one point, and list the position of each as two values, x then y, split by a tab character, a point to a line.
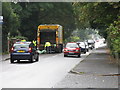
72	48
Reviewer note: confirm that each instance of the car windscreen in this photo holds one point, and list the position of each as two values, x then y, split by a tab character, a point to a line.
82	43
18	46
72	45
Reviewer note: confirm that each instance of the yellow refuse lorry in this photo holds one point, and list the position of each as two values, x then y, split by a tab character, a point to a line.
52	33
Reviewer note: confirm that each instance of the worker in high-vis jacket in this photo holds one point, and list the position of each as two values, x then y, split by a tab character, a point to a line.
48	47
34	42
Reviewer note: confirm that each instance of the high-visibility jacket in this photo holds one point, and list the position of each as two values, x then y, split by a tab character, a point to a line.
34	42
47	44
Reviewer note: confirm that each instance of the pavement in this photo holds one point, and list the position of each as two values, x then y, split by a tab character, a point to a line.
4	57
95	71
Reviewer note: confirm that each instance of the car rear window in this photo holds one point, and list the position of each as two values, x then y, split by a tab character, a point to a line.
72	45
17	46
82	43
90	41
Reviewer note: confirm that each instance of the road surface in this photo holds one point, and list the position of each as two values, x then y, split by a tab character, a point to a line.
50	69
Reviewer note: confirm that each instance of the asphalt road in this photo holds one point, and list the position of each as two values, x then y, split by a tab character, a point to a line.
51	69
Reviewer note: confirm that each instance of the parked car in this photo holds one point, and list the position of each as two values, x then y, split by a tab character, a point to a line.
72	48
91	43
82	46
23	51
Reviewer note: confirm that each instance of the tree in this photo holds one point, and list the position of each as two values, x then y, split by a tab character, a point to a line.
114	36
10	23
34	14
97	15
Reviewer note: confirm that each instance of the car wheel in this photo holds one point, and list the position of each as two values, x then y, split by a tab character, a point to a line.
37	58
79	55
84	52
18	61
87	50
91	48
31	59
65	55
11	60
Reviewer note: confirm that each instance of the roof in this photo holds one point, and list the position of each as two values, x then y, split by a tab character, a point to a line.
71	42
23	42
49	26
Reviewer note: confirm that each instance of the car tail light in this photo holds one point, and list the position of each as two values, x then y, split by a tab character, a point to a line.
12	49
30	49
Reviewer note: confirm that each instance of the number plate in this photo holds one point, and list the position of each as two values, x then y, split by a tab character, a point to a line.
20	51
71	52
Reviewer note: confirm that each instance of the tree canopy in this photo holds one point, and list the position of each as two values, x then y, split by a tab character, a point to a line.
98	15
23	18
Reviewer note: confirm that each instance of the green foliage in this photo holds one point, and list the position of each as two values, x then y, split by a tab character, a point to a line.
81	15
11	19
98	15
23	18
75	39
19	38
33	14
10	23
114	36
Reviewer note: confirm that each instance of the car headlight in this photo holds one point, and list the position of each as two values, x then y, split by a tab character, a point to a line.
65	50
